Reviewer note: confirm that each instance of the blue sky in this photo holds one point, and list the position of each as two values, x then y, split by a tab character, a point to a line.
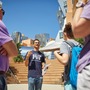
31	17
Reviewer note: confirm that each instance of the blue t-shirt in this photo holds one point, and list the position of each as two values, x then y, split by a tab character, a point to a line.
35	64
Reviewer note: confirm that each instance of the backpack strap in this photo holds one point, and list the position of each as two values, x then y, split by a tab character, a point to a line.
70	43
68	66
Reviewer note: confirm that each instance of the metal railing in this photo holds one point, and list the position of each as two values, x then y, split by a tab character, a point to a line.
14	76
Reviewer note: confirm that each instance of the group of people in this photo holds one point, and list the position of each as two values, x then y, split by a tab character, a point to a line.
35	60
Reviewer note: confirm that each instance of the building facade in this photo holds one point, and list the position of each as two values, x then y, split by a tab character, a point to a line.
61	14
44	38
17	37
69	13
27	42
65	14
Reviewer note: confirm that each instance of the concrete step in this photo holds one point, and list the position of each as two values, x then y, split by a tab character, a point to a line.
52	76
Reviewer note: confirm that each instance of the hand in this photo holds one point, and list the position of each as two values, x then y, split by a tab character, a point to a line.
45	68
28	54
27	58
57	51
3	51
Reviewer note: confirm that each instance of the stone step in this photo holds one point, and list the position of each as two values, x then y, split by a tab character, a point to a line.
52	76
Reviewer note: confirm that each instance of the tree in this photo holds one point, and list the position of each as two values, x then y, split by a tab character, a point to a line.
80	40
19	57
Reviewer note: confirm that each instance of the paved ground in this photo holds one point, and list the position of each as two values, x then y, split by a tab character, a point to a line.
25	87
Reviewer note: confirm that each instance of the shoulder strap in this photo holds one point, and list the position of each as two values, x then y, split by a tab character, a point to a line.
70	43
68	66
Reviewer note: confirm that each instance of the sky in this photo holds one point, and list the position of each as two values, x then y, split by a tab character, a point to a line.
31	17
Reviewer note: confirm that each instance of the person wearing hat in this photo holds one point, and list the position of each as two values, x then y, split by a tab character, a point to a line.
7	49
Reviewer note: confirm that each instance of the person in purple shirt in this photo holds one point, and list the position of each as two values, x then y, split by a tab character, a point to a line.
7	49
81	29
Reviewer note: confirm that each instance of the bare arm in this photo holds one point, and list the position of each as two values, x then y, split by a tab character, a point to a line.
3	51
62	58
27	58
11	49
80	25
43	64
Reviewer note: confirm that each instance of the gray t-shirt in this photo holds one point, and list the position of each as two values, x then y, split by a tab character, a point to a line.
66	49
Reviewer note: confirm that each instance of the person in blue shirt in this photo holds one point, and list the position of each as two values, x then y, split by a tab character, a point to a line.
35	60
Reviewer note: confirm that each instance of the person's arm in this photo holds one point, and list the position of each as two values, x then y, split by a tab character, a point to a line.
43	61
3	51
80	25
63	59
11	48
44	67
43	64
27	58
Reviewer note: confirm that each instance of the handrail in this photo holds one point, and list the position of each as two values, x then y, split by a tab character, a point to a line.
14	76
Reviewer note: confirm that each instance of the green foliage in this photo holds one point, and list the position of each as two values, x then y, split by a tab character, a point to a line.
80	40
19	57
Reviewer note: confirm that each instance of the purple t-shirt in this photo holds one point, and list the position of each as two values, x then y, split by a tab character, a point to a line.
85	57
4	38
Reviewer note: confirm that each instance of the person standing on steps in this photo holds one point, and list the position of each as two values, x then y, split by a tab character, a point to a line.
35	61
64	55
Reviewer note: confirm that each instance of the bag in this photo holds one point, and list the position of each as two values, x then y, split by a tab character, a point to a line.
75	50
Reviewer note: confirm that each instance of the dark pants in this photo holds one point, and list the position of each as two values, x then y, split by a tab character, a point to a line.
3	84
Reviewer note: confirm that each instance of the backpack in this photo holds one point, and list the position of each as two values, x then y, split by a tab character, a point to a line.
75	50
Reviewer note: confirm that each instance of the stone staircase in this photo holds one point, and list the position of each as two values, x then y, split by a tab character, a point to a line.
52	76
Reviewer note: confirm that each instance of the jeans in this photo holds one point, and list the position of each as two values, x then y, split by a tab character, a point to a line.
35	83
68	86
3	85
